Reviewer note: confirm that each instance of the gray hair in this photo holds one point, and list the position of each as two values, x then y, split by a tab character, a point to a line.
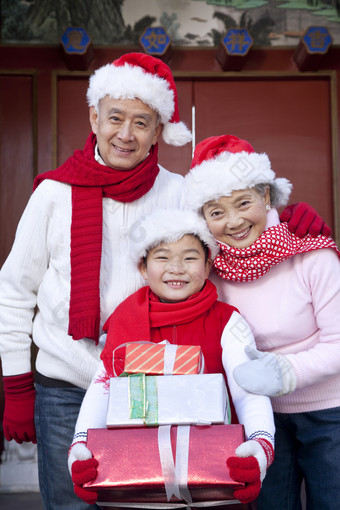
274	193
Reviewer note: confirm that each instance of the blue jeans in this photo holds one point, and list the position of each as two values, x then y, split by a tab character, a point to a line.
307	447
56	412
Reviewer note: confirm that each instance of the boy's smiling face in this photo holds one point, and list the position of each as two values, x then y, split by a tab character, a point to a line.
176	271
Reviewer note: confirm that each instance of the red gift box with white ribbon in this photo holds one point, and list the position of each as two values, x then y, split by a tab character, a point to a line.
158	359
166	464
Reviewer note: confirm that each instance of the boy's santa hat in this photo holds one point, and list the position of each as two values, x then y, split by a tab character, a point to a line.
168	226
223	164
141	76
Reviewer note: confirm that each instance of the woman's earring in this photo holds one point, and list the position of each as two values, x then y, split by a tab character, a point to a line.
268	207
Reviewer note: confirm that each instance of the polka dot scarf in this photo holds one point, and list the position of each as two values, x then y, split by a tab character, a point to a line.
275	245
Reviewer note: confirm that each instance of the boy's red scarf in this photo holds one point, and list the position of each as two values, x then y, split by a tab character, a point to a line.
275	245
136	315
91	182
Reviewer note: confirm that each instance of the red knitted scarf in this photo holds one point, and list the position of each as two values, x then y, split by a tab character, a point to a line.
90	183
136	315
275	245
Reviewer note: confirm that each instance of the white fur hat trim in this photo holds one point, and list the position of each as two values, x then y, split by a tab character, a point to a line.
229	172
132	82
167	226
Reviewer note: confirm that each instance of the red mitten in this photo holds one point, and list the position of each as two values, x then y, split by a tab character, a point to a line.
250	467
302	219
245	470
84	471
18	420
83	468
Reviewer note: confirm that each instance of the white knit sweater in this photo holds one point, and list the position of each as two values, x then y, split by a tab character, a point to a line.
35	279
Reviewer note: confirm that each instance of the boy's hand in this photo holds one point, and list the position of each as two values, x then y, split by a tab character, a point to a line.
302	219
18	420
250	466
83	468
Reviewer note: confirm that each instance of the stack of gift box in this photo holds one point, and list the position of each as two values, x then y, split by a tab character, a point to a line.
168	432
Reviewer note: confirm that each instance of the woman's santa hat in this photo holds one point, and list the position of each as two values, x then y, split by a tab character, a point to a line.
223	164
141	76
168	226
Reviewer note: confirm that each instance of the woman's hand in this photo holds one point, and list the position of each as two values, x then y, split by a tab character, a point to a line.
265	374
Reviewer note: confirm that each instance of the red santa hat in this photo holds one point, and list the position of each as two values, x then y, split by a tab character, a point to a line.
141	76
168	226
223	164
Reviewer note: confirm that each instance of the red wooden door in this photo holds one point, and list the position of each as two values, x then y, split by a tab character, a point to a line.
17	152
287	116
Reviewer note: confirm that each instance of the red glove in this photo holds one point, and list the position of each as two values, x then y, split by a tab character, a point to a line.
83	468
250	467
18	421
302	219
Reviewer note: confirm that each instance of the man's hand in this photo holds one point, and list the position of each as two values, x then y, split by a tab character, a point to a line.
18	420
302	219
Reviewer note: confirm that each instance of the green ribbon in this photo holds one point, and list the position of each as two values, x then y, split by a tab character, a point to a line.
143	399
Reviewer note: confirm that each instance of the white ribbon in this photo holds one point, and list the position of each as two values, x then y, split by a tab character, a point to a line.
182	461
175	474
167	462
169	357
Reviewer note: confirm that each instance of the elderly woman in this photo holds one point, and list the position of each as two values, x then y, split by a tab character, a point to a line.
288	289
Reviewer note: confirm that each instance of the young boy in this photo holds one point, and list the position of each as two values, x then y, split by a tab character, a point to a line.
174	250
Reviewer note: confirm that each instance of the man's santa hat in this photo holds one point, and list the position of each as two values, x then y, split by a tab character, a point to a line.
141	76
168	226
223	164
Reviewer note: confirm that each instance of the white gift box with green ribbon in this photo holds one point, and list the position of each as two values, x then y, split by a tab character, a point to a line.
139	400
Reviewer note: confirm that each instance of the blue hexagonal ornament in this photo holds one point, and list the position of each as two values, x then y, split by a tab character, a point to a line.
155	41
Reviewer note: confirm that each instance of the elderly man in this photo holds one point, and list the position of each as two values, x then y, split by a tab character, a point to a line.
68	268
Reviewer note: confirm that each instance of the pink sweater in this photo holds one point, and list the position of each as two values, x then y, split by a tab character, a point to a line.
295	310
